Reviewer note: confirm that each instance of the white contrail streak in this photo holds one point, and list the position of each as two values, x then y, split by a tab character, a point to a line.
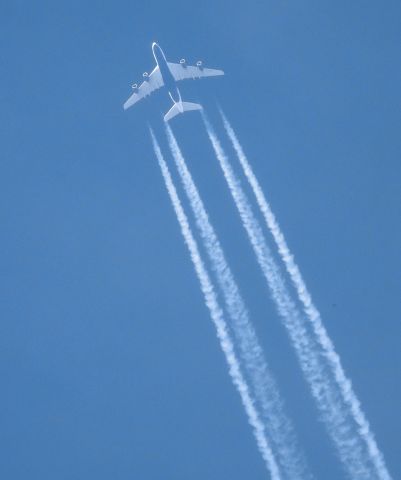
339	424
348	395
218	320
278	426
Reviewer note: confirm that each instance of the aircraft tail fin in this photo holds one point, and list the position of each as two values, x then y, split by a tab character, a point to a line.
181	107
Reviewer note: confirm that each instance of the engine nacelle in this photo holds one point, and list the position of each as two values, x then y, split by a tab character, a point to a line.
199	63
145	74
182	61
134	86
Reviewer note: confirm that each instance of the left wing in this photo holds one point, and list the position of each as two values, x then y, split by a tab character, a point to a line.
184	72
153	82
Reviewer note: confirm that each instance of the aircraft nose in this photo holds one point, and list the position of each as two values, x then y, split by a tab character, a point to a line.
157	52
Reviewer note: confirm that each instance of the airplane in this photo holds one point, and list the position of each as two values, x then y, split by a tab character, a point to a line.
167	74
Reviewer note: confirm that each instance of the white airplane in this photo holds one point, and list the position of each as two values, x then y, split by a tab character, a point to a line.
167	74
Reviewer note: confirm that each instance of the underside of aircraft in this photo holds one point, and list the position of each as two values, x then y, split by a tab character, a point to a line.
167	74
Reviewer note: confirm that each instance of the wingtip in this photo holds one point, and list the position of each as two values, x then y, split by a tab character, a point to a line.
127	104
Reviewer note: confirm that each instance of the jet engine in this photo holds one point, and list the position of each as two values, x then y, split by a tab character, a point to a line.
199	63
134	86
183	61
145	74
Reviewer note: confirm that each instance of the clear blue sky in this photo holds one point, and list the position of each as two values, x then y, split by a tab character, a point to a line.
109	363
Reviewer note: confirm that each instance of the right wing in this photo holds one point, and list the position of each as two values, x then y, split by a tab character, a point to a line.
184	72
153	82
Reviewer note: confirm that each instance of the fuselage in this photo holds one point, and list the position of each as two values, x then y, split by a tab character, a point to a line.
167	76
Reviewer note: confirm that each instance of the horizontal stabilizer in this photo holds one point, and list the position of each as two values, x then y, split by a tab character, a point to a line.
181	107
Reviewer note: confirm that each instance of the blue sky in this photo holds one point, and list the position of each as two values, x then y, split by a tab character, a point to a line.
110	364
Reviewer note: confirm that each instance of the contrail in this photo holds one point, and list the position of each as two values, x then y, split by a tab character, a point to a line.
216	314
338	422
348	395
278	426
